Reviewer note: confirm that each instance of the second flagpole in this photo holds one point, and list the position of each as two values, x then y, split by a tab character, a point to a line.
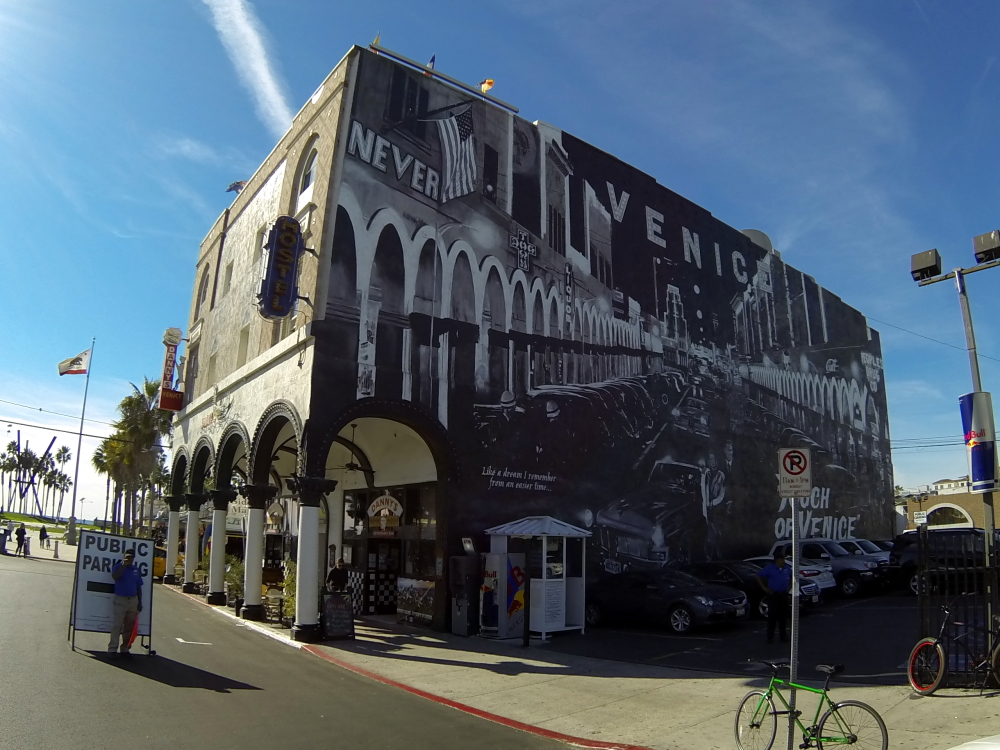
71	528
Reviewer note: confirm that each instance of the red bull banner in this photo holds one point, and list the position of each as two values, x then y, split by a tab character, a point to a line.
980	440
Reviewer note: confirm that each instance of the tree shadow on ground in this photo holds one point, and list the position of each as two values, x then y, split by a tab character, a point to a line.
169	672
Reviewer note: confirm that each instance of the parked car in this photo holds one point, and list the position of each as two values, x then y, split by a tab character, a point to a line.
864	547
852	572
664	597
885	544
742	575
947	548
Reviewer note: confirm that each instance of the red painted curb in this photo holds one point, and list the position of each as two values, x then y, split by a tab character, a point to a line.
513	723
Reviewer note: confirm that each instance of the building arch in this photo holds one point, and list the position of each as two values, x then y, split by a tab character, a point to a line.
179	471
279	416
950	518
202	464
233	455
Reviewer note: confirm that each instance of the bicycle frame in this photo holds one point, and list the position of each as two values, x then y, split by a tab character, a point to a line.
825	702
980	661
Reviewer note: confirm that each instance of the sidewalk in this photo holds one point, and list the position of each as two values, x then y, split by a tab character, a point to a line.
615	704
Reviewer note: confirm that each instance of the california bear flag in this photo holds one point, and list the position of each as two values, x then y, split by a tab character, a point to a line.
75	365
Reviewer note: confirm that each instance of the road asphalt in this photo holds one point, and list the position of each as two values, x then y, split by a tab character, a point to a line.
211	684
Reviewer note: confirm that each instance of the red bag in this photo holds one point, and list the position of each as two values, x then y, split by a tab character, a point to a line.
135	630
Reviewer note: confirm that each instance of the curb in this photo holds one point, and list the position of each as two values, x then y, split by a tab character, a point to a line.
495	718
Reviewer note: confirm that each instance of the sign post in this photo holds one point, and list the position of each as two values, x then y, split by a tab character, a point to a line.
92	608
794	481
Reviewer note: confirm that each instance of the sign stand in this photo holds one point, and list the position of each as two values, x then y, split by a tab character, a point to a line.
794	482
93	586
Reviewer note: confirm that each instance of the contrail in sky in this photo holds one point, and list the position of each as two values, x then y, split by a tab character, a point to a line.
240	33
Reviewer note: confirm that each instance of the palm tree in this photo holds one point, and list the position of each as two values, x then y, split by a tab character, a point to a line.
63	457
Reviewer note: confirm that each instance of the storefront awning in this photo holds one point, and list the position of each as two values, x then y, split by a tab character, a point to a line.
537	526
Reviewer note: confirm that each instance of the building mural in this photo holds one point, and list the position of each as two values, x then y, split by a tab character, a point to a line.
598	348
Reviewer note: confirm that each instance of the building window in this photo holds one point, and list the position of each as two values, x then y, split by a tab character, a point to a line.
557	230
228	279
308	172
191	375
213	361
491	172
407	104
202	295
241	354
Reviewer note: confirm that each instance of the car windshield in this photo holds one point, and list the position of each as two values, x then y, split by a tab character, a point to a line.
836	550
747	568
868	546
677	578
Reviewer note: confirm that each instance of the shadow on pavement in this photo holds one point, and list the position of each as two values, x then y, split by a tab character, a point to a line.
169	672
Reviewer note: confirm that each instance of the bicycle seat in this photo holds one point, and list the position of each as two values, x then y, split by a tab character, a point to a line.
830	669
775	665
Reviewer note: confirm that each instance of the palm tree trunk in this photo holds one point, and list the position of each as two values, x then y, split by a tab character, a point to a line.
107	500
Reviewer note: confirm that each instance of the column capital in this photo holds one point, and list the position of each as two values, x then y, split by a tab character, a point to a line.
194	500
258	495
311	489
222	498
175	503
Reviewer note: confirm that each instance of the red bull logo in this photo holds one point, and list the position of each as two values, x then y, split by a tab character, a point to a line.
974	437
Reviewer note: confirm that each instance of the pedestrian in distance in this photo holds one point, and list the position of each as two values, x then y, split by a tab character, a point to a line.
336	579
127	603
43	538
21	533
776	580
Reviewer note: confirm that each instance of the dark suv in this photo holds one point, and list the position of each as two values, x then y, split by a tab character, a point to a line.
946	548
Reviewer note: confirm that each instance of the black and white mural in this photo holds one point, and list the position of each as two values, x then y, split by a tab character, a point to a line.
599	348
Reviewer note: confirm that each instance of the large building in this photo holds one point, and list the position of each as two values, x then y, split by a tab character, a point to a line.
497	320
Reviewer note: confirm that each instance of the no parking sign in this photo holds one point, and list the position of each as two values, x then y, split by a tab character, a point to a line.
794	472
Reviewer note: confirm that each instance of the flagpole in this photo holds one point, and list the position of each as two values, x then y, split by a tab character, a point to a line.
71	529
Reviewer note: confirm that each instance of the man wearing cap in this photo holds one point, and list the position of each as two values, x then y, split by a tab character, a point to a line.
127	602
776	580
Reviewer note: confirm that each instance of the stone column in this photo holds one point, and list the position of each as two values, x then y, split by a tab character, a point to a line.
309	491
191	541
175	503
217	562
258	497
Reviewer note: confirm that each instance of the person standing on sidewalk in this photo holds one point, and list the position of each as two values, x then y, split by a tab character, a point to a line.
43	538
21	533
776	580
127	603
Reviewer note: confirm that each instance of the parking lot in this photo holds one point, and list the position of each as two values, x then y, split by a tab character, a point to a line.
871	635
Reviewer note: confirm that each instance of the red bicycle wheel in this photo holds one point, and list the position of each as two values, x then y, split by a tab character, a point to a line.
927	666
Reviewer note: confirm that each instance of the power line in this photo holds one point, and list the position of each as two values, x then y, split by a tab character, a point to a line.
58	414
936	341
112	438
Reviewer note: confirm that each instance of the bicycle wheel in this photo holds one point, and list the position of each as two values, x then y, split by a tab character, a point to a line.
755	725
995	664
926	667
854	723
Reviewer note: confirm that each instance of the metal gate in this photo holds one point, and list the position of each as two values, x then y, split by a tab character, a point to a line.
953	574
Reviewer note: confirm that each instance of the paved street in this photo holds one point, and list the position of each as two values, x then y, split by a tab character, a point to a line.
241	691
871	635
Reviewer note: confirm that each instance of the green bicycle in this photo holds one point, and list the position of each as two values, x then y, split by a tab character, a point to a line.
844	723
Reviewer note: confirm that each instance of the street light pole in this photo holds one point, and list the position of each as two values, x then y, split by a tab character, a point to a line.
959	274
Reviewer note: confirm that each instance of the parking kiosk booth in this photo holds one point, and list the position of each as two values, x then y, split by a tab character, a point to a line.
550	556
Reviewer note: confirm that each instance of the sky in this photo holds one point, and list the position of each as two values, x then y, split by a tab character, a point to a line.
853	133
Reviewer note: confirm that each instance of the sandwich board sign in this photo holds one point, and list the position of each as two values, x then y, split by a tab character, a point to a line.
92	608
794	472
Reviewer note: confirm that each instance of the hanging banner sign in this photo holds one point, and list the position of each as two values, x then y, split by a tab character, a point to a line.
980	440
94	590
279	285
170	400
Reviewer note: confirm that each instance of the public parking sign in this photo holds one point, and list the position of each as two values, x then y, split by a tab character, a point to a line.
794	472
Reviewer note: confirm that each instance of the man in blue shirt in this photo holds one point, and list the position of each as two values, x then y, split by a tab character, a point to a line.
127	602
776	580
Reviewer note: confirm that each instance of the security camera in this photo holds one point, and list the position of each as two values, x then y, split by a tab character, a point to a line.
987	246
925	265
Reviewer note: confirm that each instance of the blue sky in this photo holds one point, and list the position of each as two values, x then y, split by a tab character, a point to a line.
853	133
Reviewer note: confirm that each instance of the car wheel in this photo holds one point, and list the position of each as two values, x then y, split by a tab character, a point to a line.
849	586
762	608
593	614
913	583
680	619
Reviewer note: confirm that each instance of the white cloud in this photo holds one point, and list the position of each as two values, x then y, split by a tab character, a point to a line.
242	36
186	148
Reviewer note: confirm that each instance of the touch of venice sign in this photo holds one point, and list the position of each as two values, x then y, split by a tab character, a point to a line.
794	472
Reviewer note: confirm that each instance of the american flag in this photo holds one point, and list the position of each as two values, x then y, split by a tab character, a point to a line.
459	150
